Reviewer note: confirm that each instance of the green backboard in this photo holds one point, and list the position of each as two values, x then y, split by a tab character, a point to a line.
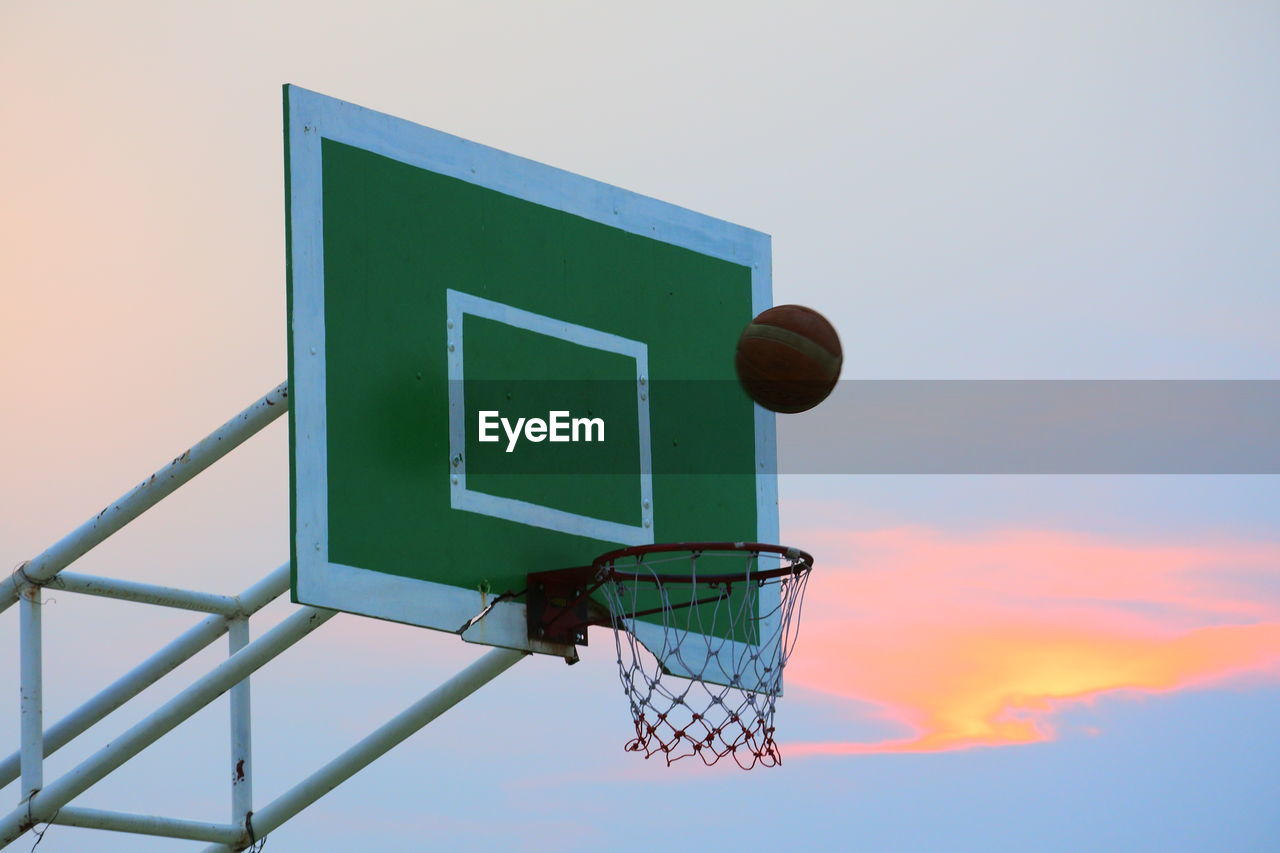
433	280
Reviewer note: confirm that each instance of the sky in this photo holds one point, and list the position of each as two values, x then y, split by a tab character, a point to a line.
981	191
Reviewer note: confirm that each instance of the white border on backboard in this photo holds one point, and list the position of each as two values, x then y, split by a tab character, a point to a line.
523	512
312	117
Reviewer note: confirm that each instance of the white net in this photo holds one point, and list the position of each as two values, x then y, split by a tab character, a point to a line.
723	623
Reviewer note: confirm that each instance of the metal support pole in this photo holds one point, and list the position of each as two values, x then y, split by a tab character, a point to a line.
364	753
167	827
32	691
146	593
241	732
40	807
151	670
147	493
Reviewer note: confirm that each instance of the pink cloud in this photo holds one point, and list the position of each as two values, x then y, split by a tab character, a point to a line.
977	640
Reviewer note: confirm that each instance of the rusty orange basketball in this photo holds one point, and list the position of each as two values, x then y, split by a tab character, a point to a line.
789	358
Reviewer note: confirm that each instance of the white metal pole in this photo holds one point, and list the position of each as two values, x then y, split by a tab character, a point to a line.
147	493
407	722
150	671
40	807
167	827
146	593
241	732
32	692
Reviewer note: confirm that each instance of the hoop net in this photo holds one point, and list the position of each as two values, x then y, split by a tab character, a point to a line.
724	617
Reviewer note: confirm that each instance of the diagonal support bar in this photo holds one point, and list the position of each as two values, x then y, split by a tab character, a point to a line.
364	753
147	494
40	807
178	652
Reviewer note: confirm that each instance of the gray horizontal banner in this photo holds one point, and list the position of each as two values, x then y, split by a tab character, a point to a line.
874	427
1037	427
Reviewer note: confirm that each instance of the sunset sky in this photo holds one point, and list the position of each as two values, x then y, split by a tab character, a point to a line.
988	190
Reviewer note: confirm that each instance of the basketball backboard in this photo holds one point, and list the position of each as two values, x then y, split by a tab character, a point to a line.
432	280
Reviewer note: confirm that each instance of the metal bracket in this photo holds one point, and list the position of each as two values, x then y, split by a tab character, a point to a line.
559	607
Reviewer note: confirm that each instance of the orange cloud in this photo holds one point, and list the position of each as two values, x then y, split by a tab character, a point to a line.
976	641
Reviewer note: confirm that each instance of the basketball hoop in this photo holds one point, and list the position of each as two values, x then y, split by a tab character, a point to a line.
719	615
